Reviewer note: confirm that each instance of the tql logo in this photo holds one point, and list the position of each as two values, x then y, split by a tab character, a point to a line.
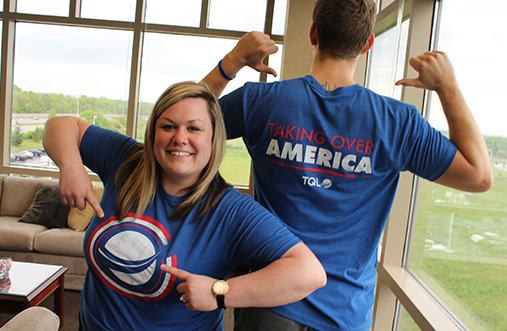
313	181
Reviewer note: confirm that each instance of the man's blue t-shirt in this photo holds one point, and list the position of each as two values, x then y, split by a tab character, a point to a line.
327	164
125	288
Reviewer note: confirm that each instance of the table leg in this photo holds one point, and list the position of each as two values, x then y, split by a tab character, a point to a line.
59	296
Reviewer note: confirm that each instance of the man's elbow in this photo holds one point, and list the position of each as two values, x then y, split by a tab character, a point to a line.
475	184
485	184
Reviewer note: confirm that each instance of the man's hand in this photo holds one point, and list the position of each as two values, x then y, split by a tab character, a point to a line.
195	290
250	51
435	72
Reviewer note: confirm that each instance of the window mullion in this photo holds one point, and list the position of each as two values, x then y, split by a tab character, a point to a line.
135	70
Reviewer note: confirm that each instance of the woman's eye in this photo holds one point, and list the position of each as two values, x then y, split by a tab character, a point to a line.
194	128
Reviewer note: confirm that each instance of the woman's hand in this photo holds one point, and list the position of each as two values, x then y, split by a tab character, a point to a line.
195	290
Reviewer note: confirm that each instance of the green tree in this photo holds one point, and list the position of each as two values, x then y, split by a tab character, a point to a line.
17	136
93	117
37	134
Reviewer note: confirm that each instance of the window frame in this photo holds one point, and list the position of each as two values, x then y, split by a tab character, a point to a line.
9	17
396	284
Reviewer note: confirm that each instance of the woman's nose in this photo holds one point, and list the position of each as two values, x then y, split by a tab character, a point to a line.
180	137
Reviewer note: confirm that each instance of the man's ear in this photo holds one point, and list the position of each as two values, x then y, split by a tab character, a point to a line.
313	34
368	44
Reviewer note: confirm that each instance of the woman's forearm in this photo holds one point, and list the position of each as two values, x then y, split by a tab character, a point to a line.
293	277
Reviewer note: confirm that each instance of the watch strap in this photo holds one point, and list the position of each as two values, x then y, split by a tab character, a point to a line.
221	302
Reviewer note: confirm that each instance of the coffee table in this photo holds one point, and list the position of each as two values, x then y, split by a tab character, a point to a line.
31	283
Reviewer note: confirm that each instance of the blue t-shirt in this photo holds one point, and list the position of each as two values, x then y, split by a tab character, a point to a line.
327	164
125	288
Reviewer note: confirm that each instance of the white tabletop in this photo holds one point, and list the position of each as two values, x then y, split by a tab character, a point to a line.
25	277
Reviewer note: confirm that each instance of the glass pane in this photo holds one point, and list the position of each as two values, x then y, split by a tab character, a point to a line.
240	15
174	12
406	322
275	62
459	244
381	79
168	59
279	17
66	70
113	10
46	7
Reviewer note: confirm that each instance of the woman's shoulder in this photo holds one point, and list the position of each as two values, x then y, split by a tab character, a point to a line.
236	202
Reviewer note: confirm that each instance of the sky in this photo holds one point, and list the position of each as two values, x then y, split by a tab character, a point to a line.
93	62
96	62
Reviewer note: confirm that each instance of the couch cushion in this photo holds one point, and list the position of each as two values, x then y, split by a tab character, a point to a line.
47	208
18	194
17	236
60	242
79	219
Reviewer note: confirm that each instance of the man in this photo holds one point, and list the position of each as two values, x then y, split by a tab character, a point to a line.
327	154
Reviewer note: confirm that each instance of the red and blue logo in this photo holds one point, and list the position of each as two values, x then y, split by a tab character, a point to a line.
127	256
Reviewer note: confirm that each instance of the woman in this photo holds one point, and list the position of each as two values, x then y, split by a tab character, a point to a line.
165	207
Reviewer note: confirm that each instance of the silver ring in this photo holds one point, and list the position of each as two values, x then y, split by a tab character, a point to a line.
182	300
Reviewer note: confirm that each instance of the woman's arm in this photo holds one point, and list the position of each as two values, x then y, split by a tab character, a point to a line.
61	139
291	278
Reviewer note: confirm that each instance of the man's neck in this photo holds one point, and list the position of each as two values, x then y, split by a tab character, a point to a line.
334	73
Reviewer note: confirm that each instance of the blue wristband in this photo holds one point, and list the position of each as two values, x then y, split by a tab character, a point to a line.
226	76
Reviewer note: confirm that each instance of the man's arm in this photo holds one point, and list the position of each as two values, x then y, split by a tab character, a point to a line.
250	51
471	168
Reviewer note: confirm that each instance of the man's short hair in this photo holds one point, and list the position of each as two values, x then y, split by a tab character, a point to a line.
344	26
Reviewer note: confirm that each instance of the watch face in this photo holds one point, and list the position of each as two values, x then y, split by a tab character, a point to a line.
220	287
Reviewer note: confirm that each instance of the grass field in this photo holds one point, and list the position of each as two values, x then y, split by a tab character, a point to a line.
459	249
27	144
235	167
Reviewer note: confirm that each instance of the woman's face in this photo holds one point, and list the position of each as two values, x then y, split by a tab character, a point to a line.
183	143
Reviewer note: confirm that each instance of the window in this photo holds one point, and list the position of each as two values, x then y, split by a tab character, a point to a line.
459	241
243	15
387	61
48	7
182	13
119	10
90	68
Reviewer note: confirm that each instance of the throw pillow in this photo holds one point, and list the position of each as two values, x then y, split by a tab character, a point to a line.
47	208
79	219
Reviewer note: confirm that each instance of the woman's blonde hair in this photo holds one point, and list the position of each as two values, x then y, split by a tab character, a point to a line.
139	174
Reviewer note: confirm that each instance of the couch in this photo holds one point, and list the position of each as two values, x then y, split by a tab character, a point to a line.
36	227
33	319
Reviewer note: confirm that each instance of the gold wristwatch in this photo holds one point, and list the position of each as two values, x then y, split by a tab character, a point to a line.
220	288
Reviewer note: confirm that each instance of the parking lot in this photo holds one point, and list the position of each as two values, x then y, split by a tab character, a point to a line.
31	158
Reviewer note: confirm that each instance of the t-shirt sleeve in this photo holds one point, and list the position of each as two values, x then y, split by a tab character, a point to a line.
233	110
256	236
430	152
102	150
